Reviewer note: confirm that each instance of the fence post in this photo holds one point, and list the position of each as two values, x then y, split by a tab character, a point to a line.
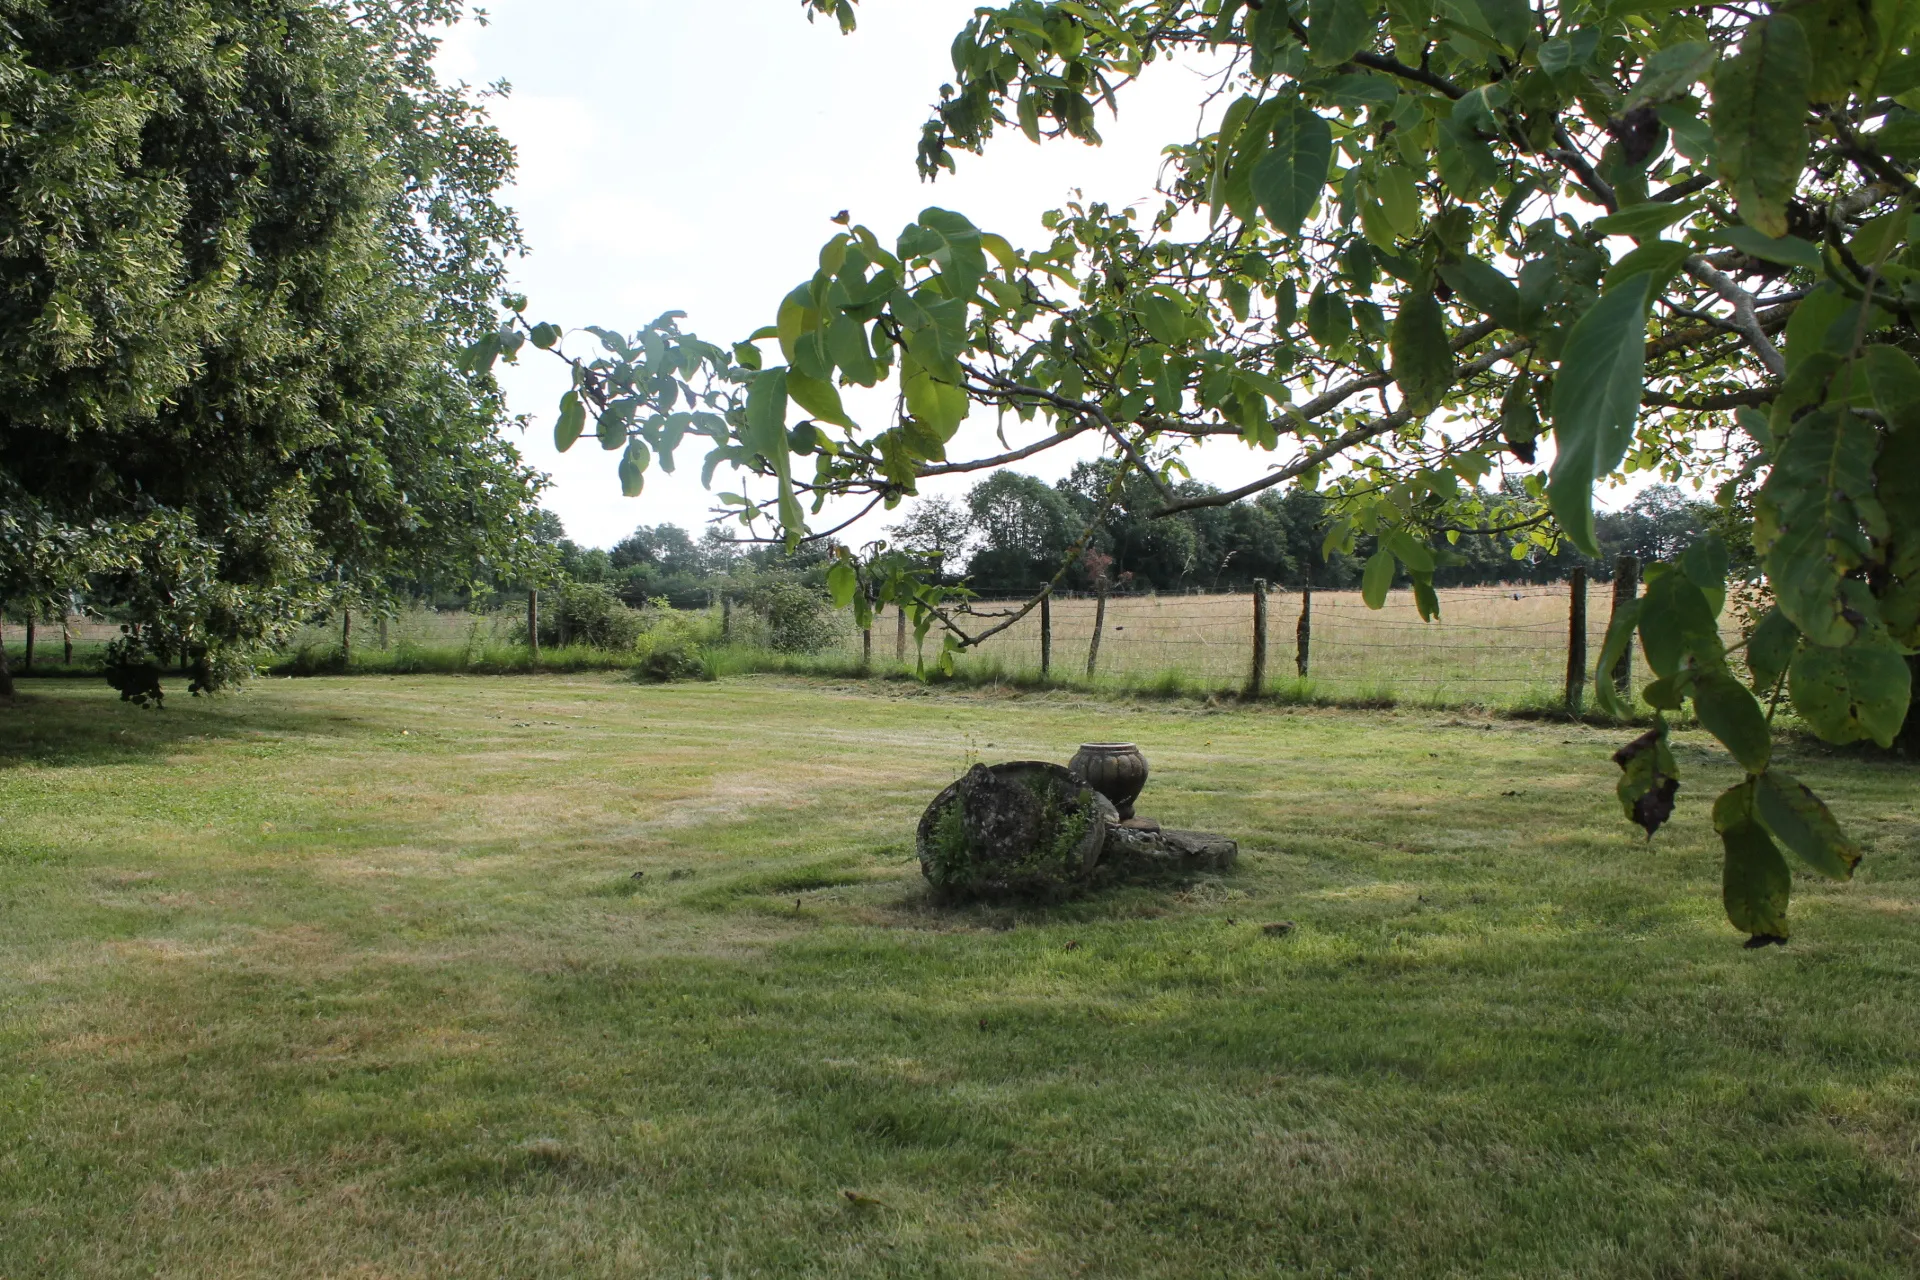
66	639
26	664
1577	643
900	633
1259	678
1303	634
346	638
1046	635
866	646
533	624
1626	589
383	632
726	618
1099	625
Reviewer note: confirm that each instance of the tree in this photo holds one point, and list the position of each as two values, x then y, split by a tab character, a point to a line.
1022	526
246	245
1410	239
939	531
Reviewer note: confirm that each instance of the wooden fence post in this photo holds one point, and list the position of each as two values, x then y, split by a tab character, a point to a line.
726	618
346	638
1303	634
1099	625
66	639
1626	589
1577	643
866	645
6	676
1258	679
26	663
533	624
1046	635
383	633
899	634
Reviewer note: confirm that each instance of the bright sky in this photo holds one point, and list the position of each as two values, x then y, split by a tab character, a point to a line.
688	156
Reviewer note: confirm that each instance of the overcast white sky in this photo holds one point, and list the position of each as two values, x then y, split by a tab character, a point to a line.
688	156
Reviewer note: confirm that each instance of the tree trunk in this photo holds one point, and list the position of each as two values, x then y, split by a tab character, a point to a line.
1910	732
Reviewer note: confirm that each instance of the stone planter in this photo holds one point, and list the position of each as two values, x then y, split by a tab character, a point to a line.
1116	770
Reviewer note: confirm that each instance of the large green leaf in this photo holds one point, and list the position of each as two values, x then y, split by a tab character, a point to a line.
571	422
1808	524
1798	819
1486	289
1329	319
1290	176
1377	579
1759	119
633	468
1596	401
1728	711
1755	884
1337	29
1770	649
820	399
1422	357
939	404
955	246
766	435
1861	691
1895	380
1620	634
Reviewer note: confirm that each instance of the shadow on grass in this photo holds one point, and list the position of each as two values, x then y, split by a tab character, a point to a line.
51	729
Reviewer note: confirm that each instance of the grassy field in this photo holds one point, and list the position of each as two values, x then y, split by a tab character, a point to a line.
1497	647
354	978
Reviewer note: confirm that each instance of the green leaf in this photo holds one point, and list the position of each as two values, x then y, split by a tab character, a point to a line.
1895	380
1163	317
843	583
1288	179
1669	71
1862	691
1620	634
1798	819
1485	289
1377	579
1410	551
1422	358
1677	624
939	404
1841	44
1399	199
544	336
1789	251
955	246
1596	401
1337	29
571	422
1759	120
633	468
1808	520
820	399
1728	711
1660	259
1329	319
766	435
1641	220
1755	884
1770	650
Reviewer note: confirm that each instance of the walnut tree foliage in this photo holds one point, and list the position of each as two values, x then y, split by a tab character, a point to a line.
243	244
1413	236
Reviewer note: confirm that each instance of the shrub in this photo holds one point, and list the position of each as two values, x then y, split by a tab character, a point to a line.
798	618
586	613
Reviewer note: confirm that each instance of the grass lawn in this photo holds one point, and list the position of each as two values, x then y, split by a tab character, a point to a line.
352	978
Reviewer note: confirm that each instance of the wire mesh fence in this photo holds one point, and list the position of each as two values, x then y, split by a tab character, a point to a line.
1494	645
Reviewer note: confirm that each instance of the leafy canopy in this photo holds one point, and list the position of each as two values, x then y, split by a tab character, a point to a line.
1413	238
245	243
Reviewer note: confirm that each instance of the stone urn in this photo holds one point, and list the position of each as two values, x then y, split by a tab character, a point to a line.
1116	770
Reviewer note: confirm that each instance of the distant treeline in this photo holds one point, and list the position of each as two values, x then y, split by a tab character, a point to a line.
1011	533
